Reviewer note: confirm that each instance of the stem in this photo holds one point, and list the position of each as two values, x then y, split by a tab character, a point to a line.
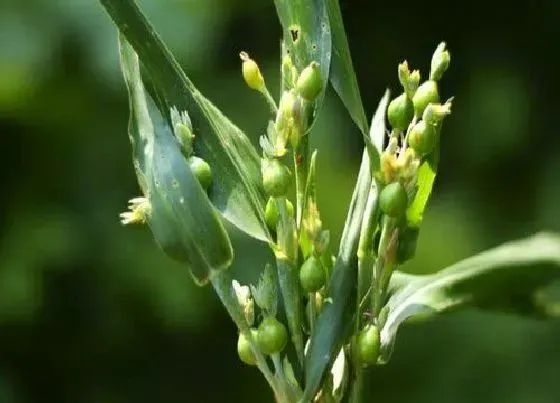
300	167
384	263
312	311
288	278
357	387
270	100
221	281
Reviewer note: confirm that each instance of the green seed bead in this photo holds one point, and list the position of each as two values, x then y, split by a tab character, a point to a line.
368	345
251	73
271	213
272	336
440	62
426	94
309	82
201	171
244	348
400	112
312	274
393	199
276	178
422	137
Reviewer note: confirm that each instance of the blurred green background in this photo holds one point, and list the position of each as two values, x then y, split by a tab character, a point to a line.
91	312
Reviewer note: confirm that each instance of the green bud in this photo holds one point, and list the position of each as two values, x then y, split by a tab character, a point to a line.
276	177
426	94
201	171
422	138
244	350
251	73
309	82
285	110
393	199
440	62
272	215
289	73
404	73
400	112
182	129
312	274
299	122
435	113
368	345
272	336
412	84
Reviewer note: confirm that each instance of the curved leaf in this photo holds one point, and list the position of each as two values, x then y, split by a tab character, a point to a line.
486	280
342	75
307	36
335	321
182	219
237	187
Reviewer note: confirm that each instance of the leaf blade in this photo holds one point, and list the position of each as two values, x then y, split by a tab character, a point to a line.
182	218
342	75
237	187
521	266
426	177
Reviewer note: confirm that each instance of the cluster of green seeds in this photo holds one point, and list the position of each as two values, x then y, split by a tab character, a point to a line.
182	128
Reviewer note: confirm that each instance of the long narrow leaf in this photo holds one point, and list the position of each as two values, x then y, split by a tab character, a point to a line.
237	187
515	268
182	219
342	75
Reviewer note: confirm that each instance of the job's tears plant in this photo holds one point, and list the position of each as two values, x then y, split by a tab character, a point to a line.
315	319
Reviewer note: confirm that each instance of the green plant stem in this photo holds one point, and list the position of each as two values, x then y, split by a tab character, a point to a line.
366	257
222	282
383	264
366	253
287	265
300	167
357	386
312	310
270	100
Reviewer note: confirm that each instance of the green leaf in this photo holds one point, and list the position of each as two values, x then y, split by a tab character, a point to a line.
237	187
342	75
307	36
486	280
426	177
334	324
182	219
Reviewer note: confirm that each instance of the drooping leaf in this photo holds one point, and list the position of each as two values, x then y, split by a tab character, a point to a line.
182	219
335	321
513	270
342	75
307	36
237	187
